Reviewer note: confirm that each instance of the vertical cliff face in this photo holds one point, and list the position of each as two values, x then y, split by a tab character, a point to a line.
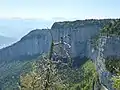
104	75
77	38
80	32
77	34
112	46
107	46
38	41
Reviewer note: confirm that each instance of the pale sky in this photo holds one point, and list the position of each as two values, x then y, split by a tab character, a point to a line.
59	9
18	17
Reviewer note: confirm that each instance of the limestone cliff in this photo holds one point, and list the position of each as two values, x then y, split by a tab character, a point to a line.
76	33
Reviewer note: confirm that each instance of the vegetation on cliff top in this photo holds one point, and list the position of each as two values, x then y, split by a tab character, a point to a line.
113	28
81	23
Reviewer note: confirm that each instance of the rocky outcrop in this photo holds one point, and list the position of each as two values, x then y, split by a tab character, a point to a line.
108	46
112	47
36	42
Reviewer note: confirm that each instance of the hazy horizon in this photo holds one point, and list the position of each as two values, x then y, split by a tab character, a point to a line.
18	17
17	28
